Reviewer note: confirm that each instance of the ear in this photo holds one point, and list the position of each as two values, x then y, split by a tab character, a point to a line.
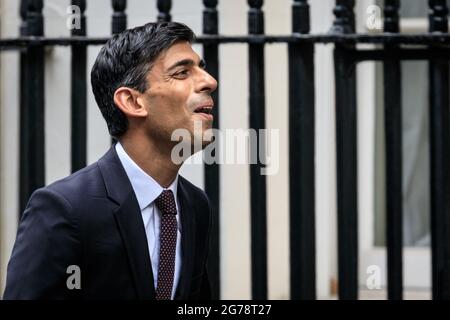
129	102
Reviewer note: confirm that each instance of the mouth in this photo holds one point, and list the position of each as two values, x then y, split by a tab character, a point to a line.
205	111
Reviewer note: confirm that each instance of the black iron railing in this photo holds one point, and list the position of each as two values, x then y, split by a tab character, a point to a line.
433	47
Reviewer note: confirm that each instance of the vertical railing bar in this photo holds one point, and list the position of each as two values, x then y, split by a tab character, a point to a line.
78	92
345	77
439	158
301	159
32	100
118	23
119	17
164	7
393	138
24	129
212	171
257	180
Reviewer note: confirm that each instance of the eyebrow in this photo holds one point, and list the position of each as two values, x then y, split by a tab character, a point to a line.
187	62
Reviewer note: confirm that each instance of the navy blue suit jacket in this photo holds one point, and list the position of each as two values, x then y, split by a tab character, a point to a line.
92	219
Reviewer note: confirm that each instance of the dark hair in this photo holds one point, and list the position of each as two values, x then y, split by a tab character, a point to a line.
125	61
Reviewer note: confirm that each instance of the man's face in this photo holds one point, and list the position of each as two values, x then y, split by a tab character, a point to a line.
179	94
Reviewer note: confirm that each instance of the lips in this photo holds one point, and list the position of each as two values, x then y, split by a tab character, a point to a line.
204	109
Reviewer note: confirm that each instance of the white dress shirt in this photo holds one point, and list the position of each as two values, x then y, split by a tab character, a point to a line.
147	190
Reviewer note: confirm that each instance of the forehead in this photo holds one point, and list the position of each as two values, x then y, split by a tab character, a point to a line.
178	51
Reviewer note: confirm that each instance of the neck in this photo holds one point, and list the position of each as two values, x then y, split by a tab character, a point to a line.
151	157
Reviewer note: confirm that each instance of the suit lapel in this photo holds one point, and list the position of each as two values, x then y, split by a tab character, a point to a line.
187	240
129	221
133	234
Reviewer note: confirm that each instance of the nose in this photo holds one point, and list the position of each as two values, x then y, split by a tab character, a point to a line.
207	82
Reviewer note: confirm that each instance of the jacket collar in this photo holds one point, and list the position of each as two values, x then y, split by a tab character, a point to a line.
131	227
145	187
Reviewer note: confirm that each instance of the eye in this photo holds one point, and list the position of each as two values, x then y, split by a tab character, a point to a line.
182	73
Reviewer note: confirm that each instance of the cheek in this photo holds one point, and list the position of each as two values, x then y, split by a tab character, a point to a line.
170	100
169	112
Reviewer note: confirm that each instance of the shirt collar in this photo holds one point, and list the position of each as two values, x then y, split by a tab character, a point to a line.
145	187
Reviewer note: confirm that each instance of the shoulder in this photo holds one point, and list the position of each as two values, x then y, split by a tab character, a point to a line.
71	191
85	182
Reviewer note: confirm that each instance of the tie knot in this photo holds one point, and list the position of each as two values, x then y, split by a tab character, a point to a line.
166	202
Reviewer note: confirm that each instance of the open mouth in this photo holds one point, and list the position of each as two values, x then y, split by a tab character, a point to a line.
207	110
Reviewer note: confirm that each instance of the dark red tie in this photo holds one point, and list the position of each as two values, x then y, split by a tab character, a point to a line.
168	243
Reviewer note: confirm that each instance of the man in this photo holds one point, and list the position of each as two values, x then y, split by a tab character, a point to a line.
127	226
